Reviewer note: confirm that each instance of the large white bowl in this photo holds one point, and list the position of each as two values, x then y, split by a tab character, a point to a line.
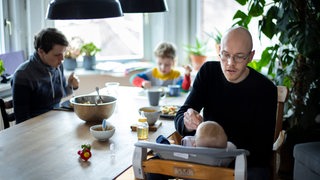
86	108
97	132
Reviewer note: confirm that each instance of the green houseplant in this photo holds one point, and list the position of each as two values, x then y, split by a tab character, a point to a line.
70	58
293	61
89	51
217	39
197	53
2	69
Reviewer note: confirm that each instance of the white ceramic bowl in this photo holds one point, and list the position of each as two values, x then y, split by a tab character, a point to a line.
151	113
96	131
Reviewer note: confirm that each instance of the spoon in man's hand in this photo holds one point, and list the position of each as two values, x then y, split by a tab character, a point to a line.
100	100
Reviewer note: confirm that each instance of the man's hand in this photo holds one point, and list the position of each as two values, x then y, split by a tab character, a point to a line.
73	81
192	119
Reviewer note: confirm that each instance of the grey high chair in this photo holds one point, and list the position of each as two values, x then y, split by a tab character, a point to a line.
188	162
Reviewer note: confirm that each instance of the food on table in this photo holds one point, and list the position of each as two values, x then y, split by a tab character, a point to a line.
169	110
87	102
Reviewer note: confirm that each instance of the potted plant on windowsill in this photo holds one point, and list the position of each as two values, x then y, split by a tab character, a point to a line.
197	53
217	38
89	50
2	69
70	58
72	53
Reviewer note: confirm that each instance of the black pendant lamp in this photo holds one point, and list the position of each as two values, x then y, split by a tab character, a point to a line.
143	6
83	9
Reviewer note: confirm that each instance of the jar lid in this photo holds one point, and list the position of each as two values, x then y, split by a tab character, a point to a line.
142	119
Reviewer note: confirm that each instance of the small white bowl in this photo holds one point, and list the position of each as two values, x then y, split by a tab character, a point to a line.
101	135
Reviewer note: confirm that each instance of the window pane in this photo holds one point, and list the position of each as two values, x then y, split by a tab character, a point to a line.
218	15
118	38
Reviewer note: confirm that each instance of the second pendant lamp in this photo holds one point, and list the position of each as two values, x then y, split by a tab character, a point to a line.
143	6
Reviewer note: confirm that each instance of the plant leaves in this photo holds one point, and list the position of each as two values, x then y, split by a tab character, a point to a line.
243	19
256	8
2	68
267	25
242	2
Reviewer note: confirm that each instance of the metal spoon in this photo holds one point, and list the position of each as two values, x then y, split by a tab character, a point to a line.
100	100
72	91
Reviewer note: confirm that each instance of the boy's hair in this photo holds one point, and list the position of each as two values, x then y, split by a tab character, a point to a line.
210	134
165	50
49	37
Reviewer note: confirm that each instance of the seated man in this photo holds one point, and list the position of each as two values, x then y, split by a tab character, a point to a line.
39	84
236	96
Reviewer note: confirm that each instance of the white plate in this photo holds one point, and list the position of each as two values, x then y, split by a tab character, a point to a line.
169	116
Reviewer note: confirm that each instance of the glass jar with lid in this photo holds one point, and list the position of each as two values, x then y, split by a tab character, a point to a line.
142	127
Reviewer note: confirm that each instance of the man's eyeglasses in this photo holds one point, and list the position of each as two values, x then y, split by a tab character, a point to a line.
236	58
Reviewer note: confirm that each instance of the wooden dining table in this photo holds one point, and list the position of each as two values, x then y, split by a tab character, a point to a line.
46	146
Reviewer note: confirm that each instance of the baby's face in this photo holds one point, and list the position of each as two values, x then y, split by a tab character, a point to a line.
165	65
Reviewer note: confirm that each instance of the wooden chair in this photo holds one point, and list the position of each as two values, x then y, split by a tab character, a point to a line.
188	162
6	117
279	134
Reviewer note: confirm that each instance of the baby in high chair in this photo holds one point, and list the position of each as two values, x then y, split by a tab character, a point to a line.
209	134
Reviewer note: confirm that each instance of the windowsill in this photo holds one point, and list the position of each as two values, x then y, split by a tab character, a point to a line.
117	69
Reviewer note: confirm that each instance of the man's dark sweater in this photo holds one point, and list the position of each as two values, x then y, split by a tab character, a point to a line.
37	88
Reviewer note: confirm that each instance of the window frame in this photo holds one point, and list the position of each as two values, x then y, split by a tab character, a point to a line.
178	25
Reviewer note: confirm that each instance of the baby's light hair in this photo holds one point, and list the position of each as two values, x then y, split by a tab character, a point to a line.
210	134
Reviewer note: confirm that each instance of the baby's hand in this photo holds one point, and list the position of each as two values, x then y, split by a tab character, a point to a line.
188	69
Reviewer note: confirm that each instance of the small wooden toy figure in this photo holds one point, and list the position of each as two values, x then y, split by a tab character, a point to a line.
85	153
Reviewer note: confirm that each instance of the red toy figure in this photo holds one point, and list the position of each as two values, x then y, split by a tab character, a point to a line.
85	153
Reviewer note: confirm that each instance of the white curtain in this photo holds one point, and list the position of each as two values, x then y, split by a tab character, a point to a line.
179	25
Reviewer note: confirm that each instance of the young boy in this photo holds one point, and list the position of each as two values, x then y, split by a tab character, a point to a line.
163	74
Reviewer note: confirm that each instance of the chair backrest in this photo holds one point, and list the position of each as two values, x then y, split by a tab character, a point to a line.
279	134
188	162
282	98
6	117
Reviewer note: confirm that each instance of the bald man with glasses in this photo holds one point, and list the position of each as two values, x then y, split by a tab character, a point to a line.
240	99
